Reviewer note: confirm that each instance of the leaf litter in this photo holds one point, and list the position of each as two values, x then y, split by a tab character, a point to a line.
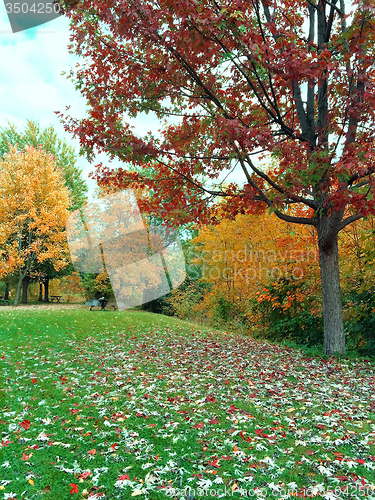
144	410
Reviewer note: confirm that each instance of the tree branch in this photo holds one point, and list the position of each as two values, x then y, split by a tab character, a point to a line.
306	201
295	220
334	7
349	220
214	193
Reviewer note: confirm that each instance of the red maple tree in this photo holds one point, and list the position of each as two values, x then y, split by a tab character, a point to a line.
291	81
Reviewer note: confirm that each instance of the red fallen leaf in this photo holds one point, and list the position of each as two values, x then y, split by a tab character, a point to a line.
146	396
226	457
198	475
73	411
372	457
210	398
260	433
246	438
310	452
139	414
74	488
95	493
226	382
5	443
34	380
214	463
84	475
361	461
199	426
113	446
343	478
25	424
152	425
124	477
321	426
92	452
25	457
214	421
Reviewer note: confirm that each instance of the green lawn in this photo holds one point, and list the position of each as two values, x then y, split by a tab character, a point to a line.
116	404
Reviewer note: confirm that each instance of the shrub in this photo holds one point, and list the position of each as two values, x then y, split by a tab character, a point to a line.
288	313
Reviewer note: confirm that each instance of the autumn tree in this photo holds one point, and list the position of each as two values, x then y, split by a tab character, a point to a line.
33	213
66	160
241	258
64	155
289	81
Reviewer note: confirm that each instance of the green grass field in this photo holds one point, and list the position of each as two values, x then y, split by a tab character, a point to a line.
121	404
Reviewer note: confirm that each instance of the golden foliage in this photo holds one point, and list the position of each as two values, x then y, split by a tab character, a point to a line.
33	211
241	257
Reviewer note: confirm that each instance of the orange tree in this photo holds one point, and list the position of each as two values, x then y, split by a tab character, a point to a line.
33	213
242	258
292	80
65	158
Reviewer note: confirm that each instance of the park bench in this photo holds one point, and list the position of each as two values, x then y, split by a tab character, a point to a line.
55	298
4	301
102	302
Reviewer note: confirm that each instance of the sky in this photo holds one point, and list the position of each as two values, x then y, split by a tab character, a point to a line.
32	85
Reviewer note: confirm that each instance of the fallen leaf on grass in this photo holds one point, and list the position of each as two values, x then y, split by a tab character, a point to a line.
25	424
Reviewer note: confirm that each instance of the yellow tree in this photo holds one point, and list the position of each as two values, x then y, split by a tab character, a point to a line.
33	213
240	257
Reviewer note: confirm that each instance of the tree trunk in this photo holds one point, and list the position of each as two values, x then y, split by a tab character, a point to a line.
7	290
334	335
25	286
46	292
40	298
19	286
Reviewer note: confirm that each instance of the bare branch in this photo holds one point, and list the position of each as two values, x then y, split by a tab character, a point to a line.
330	22
199	186
349	220
306	201
295	220
334	7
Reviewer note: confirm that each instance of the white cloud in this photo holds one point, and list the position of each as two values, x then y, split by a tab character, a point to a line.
32	85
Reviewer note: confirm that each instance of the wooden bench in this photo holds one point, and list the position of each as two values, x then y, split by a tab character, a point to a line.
4	301
55	298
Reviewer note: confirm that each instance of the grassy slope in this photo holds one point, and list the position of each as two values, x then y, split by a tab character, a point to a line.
119	403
